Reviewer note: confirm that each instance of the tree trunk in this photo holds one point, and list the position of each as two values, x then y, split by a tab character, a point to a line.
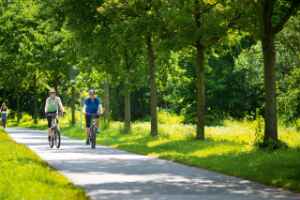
153	92
269	54
127	108
106	103
73	106
200	85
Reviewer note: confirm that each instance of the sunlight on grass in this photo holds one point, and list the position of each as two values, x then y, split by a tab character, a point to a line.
228	149
25	176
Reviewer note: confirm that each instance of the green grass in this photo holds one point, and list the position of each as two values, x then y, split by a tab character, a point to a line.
24	176
228	149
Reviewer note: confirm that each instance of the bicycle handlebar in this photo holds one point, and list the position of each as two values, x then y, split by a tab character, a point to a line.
55	114
51	114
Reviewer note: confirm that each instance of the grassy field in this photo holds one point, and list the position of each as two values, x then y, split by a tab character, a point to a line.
228	149
23	176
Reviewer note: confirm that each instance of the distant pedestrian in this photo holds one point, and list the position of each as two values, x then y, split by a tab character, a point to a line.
3	111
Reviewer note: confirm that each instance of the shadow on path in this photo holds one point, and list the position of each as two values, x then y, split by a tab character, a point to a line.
109	174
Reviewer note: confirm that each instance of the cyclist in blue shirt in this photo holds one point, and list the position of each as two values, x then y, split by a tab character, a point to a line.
92	106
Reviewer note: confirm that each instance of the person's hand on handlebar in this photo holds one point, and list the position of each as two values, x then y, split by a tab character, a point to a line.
61	114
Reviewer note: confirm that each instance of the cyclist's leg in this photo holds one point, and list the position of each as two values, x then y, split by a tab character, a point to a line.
88	120
3	123
49	120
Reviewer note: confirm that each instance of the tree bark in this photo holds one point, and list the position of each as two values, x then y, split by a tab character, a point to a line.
127	108
269	54
200	85
153	91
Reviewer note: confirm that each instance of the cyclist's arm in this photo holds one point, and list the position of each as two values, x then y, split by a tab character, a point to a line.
100	109
61	107
84	108
46	106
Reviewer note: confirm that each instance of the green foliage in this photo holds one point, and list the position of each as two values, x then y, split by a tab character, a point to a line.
80	44
165	117
259	136
289	62
290	106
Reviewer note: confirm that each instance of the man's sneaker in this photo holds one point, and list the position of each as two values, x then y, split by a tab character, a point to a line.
87	142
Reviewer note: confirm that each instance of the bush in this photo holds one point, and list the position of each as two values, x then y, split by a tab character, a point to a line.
259	129
26	118
165	117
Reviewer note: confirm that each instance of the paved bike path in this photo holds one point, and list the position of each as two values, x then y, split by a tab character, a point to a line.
109	174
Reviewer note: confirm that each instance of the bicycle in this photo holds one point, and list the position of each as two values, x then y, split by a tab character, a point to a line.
55	138
92	131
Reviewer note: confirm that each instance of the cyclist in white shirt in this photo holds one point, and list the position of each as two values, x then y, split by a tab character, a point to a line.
53	106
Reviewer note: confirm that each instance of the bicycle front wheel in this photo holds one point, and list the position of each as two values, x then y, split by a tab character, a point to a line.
93	138
57	140
51	141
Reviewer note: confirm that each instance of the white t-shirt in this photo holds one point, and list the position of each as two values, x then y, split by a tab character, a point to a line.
53	104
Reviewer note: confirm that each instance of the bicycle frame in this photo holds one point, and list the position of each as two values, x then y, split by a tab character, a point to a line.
55	136
93	120
92	131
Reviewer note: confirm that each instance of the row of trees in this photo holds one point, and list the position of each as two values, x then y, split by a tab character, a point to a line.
199	25
161	50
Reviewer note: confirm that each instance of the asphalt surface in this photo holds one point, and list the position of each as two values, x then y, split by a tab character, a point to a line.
110	174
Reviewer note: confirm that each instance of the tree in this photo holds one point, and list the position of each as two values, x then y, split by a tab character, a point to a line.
271	17
139	18
148	25
200	25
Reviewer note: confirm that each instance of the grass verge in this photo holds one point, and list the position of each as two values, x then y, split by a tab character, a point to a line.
25	176
228	149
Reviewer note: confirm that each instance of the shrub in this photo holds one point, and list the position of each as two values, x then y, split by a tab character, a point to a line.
165	117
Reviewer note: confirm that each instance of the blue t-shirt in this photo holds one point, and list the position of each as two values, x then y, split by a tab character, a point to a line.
91	106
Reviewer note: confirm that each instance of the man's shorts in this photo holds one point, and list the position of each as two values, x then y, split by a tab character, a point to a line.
49	118
88	119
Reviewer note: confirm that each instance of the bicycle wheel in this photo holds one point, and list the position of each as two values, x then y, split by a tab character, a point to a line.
93	137
51	141
57	138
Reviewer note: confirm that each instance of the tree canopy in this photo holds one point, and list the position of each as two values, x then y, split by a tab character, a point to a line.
207	60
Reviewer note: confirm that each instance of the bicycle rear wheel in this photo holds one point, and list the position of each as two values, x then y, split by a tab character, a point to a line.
57	138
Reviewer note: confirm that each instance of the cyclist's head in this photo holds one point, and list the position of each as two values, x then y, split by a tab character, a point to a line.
52	92
92	93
